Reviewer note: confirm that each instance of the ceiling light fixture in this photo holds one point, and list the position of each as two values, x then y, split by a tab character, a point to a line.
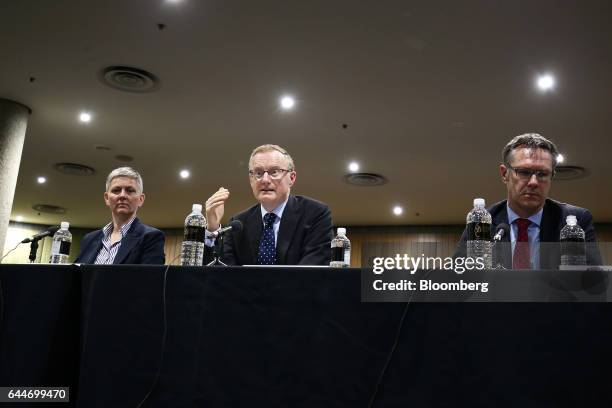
184	174
397	210
85	117
353	167
287	102
546	82
560	158
41	180
19	218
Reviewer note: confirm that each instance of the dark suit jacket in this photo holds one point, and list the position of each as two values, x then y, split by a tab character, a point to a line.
304	236
553	219
141	245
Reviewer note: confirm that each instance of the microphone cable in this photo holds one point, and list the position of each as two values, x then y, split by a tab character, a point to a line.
5	255
396	339
164	336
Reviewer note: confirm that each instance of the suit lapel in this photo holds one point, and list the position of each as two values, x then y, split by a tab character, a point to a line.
128	242
94	249
289	222
254	227
549	233
549	227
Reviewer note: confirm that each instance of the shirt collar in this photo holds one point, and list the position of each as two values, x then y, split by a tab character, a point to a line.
278	210
535	218
108	228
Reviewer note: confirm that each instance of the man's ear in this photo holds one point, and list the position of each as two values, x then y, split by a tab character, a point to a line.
503	172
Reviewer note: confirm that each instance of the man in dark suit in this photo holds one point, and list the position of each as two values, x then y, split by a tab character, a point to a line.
281	229
124	240
528	167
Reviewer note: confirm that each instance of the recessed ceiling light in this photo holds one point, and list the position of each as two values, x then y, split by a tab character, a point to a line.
287	102
397	210
85	117
19	218
560	158
546	82
41	180
184	174
353	167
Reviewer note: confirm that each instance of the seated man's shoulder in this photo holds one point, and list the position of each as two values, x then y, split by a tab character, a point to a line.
496	207
309	202
244	214
568	209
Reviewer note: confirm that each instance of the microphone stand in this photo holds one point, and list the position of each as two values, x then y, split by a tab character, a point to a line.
217	257
497	255
33	250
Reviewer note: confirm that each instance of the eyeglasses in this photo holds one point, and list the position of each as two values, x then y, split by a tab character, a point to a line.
526	174
274	174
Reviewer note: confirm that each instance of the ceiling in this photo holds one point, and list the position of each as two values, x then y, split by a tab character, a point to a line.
429	91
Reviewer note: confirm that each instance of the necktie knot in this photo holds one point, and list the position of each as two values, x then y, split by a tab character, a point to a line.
522	223
269	219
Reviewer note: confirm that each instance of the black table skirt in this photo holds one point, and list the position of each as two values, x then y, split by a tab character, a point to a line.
288	337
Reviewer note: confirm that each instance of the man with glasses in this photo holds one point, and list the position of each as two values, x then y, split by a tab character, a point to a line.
527	169
282	229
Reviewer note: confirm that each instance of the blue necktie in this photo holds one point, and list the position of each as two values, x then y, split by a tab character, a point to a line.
267	249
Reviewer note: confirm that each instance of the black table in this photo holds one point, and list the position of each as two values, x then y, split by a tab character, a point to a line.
288	337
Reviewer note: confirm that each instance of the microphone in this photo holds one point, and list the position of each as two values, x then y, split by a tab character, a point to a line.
49	231
502	230
234	225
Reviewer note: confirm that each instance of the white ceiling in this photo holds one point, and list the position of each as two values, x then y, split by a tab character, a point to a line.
430	91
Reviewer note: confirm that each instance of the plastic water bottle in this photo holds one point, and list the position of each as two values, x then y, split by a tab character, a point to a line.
479	233
192	248
340	250
60	248
573	250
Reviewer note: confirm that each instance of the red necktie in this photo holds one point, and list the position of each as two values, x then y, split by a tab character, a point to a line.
520	259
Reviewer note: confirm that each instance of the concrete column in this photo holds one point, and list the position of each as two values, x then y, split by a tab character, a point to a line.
13	123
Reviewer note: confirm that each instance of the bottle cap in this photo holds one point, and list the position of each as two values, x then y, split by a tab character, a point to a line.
342	232
196	208
64	225
571	220
479	202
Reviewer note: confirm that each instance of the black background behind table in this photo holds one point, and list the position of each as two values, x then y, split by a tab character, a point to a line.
285	337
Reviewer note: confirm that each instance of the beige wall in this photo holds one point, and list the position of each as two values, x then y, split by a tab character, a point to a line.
18	231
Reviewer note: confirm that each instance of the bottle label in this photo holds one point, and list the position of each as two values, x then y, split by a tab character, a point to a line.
64	248
479	231
337	254
194	233
60	248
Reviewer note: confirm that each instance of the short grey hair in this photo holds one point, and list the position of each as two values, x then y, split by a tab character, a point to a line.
272	148
530	140
125	172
